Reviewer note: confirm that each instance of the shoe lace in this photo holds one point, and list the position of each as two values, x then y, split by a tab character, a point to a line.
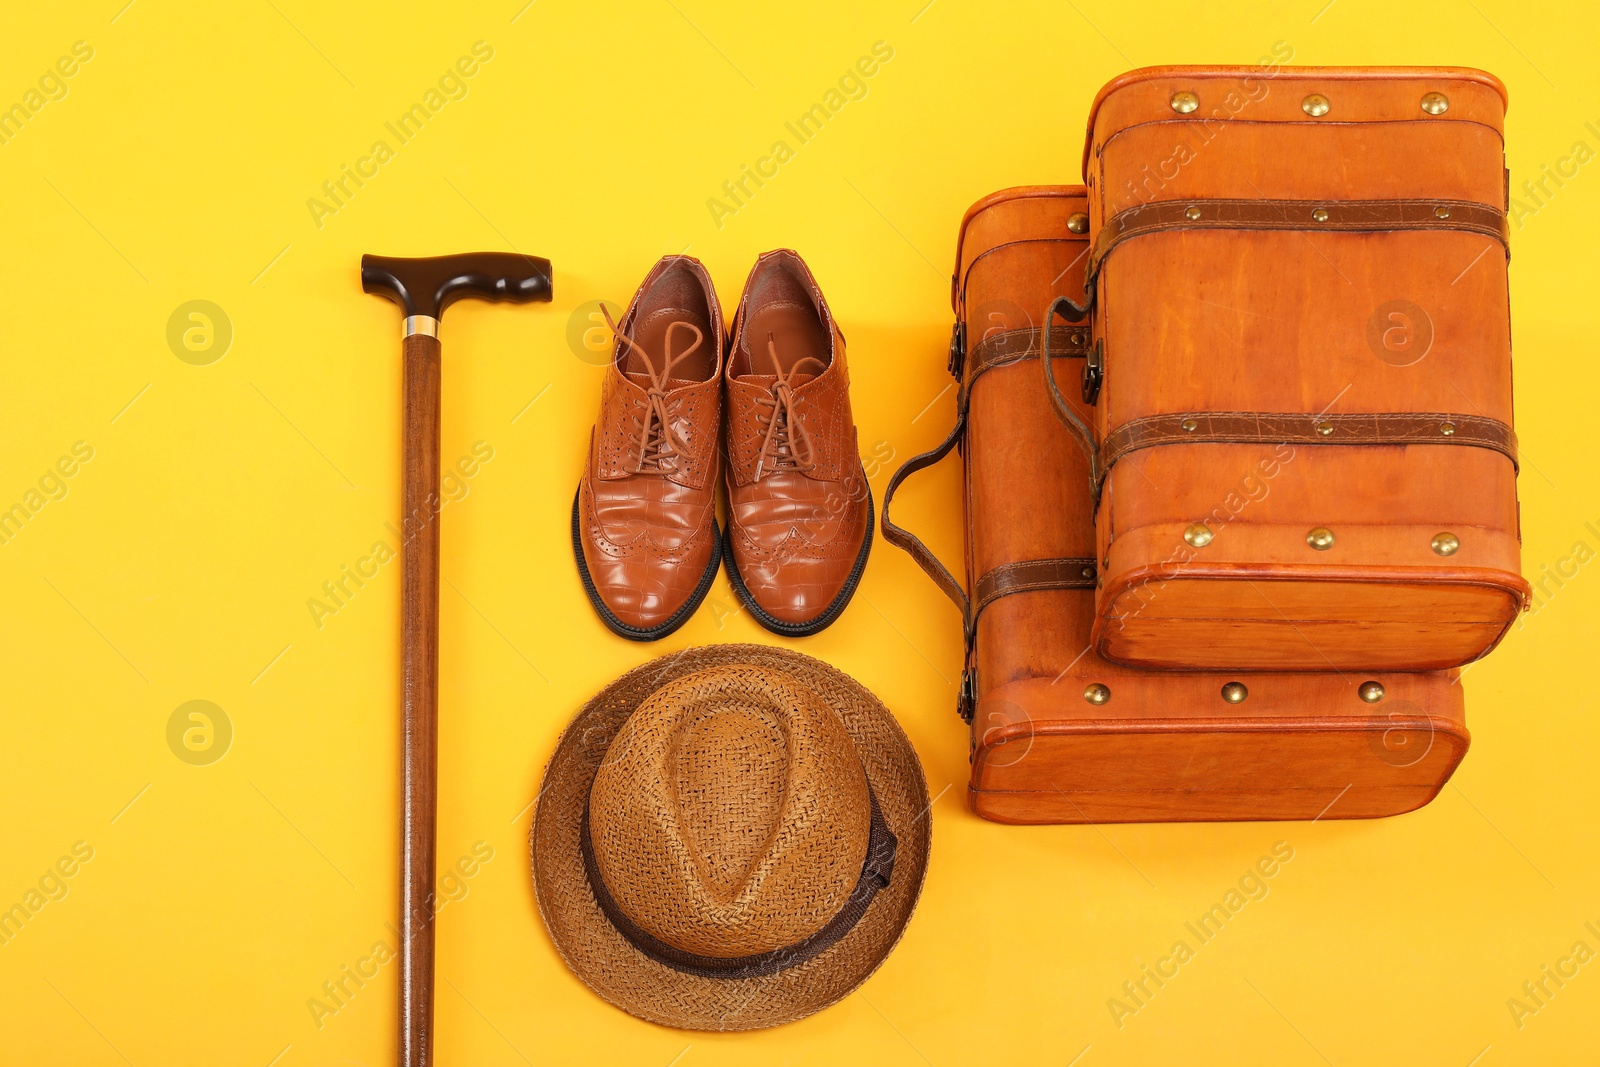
659	443
784	429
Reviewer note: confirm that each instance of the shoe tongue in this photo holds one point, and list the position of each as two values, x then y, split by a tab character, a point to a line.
642	380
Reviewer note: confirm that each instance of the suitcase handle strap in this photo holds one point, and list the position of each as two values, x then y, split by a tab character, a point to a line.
913	545
909	542
1045	337
1091	386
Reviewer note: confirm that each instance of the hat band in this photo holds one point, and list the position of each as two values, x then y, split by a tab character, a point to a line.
876	871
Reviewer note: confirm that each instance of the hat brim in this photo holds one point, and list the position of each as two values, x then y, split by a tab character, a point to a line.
599	955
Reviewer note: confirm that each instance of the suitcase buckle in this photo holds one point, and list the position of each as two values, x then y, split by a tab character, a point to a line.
1094	372
958	351
967	697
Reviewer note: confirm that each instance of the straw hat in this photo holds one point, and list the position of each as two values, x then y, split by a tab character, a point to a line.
729	838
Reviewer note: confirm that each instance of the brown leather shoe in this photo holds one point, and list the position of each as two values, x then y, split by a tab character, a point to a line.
799	507
644	525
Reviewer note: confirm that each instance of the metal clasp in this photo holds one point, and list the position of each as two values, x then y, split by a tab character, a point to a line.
1094	372
958	350
967	696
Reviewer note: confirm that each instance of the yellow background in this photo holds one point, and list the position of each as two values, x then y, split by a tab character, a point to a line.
219	498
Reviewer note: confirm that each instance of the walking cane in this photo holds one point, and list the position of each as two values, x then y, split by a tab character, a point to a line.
424	288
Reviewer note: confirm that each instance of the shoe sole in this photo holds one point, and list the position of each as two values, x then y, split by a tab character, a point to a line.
676	619
829	614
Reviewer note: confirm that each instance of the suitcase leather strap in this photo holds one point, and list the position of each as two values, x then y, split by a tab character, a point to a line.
1005	347
913	545
1259	427
1074	423
1345	216
1032	576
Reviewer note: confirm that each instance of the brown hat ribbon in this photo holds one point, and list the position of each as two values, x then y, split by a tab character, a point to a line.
876	871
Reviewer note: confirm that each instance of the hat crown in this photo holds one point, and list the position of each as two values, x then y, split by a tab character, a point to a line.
731	814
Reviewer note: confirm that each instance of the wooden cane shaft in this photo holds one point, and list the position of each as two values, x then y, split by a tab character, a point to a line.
419	651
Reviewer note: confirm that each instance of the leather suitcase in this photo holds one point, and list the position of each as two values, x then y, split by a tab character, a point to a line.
1304	448
1058	733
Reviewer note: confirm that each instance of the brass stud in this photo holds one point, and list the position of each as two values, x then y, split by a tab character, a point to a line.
1077	338
1315	105
1435	103
1370	692
1441	212
1189	425
1320	538
1446	544
1192	214
1198	535
1184	102
1235	692
1447	428
1088	572
1097	694
1321	214
1325	428
1078	223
